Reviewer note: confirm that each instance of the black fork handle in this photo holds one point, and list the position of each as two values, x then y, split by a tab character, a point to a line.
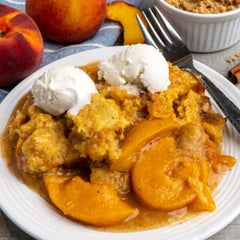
230	110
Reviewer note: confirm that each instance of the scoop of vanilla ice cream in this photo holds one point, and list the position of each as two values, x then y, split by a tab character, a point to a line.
62	89
136	64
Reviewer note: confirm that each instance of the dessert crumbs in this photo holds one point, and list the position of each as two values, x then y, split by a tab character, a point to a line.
206	6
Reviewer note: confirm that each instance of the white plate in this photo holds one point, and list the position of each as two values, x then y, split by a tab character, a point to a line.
39	219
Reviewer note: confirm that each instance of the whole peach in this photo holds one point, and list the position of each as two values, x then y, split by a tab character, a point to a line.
21	46
67	21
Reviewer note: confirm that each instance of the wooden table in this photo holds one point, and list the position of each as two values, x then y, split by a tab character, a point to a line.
217	61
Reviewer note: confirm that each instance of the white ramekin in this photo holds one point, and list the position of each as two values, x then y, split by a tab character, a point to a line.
204	32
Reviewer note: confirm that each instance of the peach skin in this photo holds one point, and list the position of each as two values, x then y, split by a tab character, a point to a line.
67	21
21	46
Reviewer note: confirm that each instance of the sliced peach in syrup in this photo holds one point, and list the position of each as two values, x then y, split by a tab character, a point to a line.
139	136
126	14
204	200
95	204
219	161
160	177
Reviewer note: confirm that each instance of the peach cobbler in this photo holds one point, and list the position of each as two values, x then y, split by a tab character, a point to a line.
126	161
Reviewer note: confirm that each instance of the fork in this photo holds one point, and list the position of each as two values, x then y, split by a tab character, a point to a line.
163	36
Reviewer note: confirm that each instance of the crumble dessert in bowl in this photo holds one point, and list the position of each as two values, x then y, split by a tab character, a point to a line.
204	25
137	155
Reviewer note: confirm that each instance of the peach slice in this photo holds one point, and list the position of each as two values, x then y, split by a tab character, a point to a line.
204	170
96	204
204	200
126	14
139	136
160	177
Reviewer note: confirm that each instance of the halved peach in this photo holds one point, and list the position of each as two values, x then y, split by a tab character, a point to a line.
139	136
96	204
219	161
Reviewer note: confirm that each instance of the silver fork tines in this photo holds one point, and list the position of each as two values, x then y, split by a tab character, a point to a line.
164	37
169	29
159	28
